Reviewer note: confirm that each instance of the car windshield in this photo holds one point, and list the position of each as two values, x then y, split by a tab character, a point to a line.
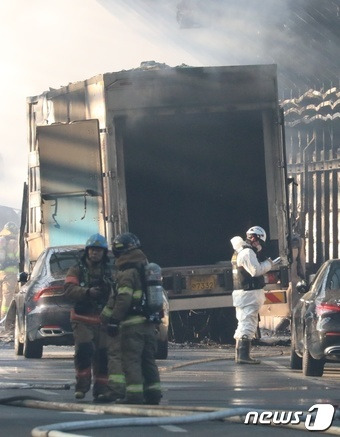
60	262
39	265
333	282
317	287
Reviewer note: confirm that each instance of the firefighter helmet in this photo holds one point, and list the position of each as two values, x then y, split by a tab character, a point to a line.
258	231
124	243
11	227
96	240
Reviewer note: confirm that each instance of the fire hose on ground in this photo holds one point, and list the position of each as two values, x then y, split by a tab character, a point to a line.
25	385
155	416
151	415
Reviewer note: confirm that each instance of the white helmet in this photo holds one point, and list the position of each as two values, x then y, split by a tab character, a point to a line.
258	231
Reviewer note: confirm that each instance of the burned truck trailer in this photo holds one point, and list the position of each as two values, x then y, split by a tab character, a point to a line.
184	157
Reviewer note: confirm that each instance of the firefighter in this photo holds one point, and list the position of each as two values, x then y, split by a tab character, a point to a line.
88	284
138	335
8	265
249	265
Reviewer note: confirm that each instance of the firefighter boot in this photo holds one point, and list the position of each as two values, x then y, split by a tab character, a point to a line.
242	351
134	400
152	397
112	392
83	382
107	396
99	387
82	361
152	393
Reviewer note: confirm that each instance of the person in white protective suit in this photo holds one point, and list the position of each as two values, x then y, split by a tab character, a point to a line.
249	266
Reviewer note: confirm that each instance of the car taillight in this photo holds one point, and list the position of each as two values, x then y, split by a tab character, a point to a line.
48	292
271	278
326	307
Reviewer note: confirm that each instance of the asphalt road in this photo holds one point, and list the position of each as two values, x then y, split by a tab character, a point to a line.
195	379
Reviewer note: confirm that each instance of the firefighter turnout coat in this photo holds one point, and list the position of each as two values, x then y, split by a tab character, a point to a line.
138	335
89	336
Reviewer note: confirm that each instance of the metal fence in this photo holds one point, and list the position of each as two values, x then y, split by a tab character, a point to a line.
312	123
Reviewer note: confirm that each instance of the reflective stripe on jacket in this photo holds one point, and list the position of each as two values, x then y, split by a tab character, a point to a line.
123	306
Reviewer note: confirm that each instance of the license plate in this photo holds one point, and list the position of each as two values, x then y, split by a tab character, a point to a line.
206	282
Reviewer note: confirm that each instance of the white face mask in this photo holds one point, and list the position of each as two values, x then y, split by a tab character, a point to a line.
255	242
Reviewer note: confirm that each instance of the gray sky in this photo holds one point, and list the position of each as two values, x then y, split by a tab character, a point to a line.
49	43
46	43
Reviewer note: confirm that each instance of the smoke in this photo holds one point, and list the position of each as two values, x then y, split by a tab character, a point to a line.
49	44
1	168
300	36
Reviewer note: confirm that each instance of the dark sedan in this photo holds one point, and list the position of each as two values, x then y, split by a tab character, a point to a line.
40	312
315	336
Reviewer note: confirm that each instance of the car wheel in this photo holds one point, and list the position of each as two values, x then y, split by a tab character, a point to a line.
295	360
311	366
31	349
18	345
162	350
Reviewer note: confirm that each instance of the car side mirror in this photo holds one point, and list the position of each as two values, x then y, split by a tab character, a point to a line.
22	277
302	287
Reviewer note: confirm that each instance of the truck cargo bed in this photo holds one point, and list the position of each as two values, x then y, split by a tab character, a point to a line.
193	181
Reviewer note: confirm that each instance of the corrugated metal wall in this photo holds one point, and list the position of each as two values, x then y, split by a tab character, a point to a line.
313	153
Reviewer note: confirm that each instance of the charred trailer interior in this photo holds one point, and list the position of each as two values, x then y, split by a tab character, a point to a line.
202	159
193	181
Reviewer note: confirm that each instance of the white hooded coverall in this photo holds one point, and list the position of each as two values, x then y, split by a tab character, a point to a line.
248	302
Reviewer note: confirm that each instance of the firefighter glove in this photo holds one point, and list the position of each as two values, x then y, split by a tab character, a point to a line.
113	328
105	315
94	292
271	262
